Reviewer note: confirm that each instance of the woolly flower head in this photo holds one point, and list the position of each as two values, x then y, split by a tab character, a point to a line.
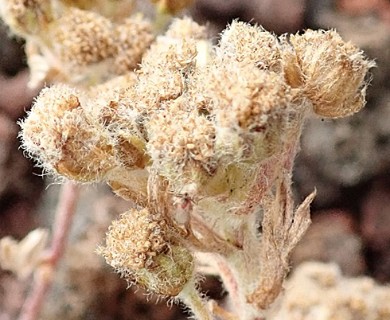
249	44
185	117
59	133
141	246
180	140
332	71
83	37
132	38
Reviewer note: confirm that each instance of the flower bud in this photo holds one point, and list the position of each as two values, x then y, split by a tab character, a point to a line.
59	133
141	247
181	143
132	38
81	38
250	45
334	72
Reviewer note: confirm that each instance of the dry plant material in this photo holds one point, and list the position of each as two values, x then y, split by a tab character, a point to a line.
201	138
22	257
332	296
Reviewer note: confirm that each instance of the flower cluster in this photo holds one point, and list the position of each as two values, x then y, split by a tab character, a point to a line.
201	137
67	44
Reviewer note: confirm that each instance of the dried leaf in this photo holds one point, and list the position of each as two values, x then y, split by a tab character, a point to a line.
22	257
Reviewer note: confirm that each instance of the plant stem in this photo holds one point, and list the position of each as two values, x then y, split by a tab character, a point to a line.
43	276
229	281
192	299
220	312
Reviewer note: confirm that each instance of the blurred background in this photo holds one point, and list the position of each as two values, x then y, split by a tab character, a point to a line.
347	161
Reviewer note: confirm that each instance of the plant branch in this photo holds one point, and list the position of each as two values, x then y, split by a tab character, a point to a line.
192	299
43	276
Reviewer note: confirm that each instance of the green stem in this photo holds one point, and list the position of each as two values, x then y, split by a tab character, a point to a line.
192	299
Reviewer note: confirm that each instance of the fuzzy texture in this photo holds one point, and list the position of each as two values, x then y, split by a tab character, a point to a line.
132	38
78	44
250	45
27	16
83	37
203	139
332	71
142	248
58	129
332	296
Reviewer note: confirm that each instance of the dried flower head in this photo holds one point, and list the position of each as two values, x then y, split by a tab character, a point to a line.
26	17
83	37
164	72
332	296
142	248
248	44
132	38
249	105
186	28
181	140
60	134
333	72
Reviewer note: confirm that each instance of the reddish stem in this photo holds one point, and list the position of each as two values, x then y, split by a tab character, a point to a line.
43	277
230	283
